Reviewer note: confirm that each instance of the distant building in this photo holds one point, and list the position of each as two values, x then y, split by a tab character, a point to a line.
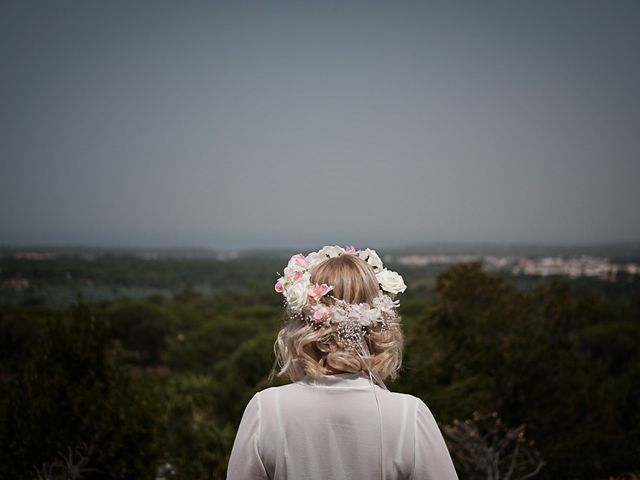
585	265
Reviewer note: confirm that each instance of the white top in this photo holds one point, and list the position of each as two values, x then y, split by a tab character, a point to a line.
330	428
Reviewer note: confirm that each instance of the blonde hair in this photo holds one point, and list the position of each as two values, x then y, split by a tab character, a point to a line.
302	349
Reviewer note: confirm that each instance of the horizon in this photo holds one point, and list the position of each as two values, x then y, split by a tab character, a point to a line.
282	247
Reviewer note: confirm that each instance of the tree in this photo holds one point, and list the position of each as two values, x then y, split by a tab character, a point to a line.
71	392
545	358
142	327
198	438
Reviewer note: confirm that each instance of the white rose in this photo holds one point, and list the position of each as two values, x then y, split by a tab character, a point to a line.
297	264
296	293
372	258
331	251
314	258
390	281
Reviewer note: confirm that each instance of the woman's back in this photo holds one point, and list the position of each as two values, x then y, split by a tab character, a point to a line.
335	427
342	331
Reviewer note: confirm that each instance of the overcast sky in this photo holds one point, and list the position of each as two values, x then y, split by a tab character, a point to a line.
281	123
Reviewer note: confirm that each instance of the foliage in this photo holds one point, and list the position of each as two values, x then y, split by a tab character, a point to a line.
72	391
142	328
544	357
214	339
203	409
242	375
196	445
560	357
17	333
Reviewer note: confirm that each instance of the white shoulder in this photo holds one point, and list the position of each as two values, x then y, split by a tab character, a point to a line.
270	397
432	458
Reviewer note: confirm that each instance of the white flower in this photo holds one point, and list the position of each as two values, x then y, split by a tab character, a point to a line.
340	311
331	251
391	281
372	258
314	258
386	306
296	293
297	263
362	314
383	301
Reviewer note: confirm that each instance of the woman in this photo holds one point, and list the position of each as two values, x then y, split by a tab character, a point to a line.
334	422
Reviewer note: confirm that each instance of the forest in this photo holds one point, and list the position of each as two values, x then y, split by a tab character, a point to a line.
117	366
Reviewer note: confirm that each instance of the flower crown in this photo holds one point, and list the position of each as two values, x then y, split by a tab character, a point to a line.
303	298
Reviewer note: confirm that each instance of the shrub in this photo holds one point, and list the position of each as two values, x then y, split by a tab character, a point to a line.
73	391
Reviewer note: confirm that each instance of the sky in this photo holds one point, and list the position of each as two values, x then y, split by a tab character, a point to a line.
273	124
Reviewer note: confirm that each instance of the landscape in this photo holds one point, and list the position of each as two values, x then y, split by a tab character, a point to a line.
161	162
138	363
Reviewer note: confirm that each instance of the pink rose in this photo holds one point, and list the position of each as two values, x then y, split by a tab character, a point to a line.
280	285
350	250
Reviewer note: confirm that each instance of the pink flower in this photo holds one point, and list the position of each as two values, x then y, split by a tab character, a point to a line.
296	267
320	314
316	290
350	250
280	285
300	260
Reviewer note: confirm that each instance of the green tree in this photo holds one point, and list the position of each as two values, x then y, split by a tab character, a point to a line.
243	374
71	392
217	338
203	409
142	327
544	357
198	438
